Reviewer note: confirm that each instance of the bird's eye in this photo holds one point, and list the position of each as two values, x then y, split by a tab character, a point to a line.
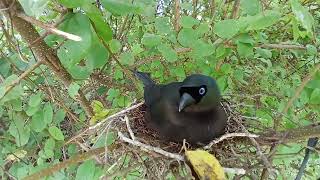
202	91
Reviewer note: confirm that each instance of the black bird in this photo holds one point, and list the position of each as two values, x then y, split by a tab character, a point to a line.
188	110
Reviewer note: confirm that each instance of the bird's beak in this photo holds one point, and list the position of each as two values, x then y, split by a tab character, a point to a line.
185	100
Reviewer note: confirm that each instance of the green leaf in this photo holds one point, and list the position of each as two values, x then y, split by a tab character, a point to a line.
48	113
73	3
150	40
56	133
35	100
222	52
179	72
104	140
49	144
14	93
59	116
302	15
73	90
226	68
250	7
32	110
34	7
49	147
265	53
168	53
86	170
245	38
315	96
127	58
202	49
162	25
97	106
121	7
244	49
118	74
312	50
37	123
18	129
261	20
97	56
202	29
102	28
16	104
71	53
112	93
187	36
136	49
115	46
188	21
226	28
2	91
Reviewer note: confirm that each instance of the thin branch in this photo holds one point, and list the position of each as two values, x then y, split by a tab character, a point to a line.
22	76
282	46
258	150
126	119
300	88
235	10
46	33
116	115
102	122
177	15
64	164
48	28
147	147
177	157
226	136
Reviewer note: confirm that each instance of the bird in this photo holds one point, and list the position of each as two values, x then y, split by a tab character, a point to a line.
189	110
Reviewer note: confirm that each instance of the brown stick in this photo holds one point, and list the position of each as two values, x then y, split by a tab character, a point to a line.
177	15
235	10
48	28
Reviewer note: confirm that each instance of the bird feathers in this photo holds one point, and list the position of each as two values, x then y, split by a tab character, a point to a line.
200	121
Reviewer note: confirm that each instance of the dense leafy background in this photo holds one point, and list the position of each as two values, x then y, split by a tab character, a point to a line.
262	53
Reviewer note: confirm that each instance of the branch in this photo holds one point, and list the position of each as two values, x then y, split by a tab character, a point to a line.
177	15
282	46
41	50
177	157
49	28
300	88
102	122
147	147
226	136
22	76
291	136
64	164
235	10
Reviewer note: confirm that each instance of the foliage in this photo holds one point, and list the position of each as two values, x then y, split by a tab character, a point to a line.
263	54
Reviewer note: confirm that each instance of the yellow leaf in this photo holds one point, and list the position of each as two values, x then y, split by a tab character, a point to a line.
17	155
205	165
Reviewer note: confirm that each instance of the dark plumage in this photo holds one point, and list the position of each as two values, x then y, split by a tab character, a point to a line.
188	110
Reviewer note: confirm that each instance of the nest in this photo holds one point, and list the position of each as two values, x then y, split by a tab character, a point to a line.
233	151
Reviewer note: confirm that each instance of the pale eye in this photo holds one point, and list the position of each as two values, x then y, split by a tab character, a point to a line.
202	91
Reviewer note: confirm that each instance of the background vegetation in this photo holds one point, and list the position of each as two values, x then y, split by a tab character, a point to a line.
264	55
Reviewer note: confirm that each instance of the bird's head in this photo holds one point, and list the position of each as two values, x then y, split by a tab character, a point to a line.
199	92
